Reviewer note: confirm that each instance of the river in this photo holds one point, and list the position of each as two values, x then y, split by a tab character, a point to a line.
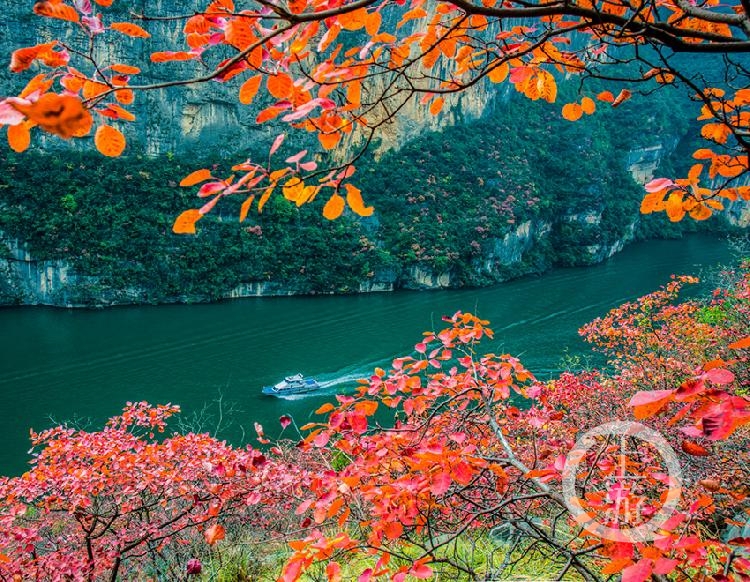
66	364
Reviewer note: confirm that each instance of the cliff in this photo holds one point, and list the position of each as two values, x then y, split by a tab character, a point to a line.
495	188
203	118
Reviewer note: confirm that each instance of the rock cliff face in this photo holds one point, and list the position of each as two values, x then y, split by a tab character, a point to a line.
174	120
206	118
211	119
25	280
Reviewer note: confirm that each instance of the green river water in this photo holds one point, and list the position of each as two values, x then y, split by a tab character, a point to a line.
65	364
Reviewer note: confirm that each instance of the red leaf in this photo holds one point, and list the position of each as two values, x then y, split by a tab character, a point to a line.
664	566
638	572
421	571
276	144
719	376
285	421
623	96
321	440
658	184
693	448
440	483
211	188
393	529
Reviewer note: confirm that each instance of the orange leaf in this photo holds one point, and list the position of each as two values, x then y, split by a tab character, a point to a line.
239	33
63	115
220	6
437	105
164	56
196	178
606	96
280	85
355	202
740	344
700	212
249	89
334	207
499	73
22	58
616	566
327	407
717	132
674	207
125	96
372	23
214	533
588	105
245	208
56	9
121	112
354	93
19	137
353	20
572	111
710	484
264	197
185	222
329	140
93	89
650	202
647	403
393	529
125	69
297	6
268	113
703	154
109	141
129	29
412	15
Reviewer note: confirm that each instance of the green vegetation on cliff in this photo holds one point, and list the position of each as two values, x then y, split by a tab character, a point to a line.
444	204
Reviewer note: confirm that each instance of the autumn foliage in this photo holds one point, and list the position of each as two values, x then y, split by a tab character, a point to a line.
128	501
451	462
342	70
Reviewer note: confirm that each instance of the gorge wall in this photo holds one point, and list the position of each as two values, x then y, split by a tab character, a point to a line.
509	188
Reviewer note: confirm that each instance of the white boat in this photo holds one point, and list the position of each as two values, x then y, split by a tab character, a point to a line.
296	384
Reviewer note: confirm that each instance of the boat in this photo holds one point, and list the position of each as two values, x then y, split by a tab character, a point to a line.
296	384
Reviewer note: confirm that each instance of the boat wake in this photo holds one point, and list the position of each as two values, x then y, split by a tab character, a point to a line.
341	381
